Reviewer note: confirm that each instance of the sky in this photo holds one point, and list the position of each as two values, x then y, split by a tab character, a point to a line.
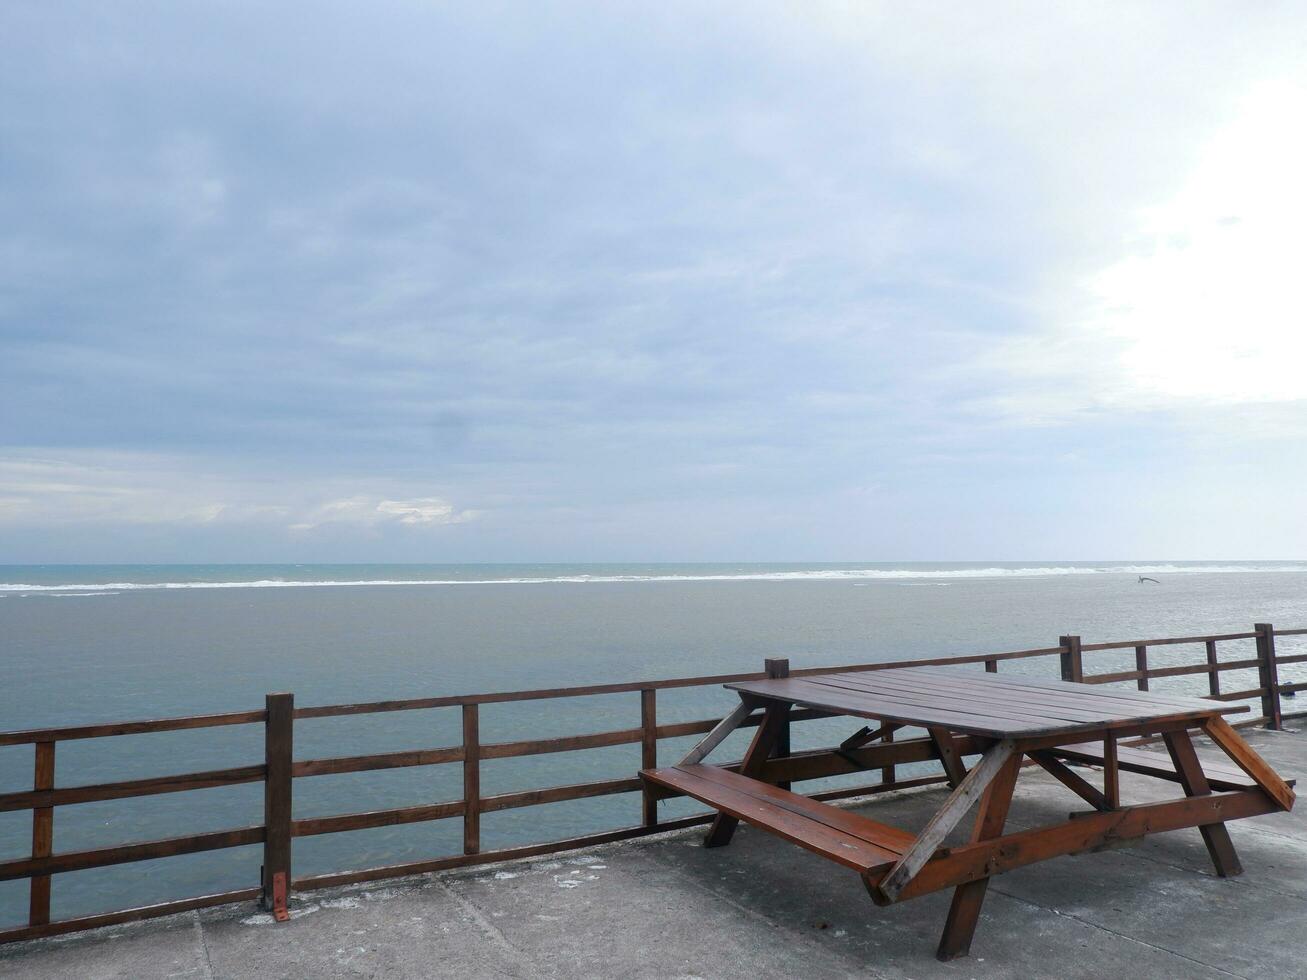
652	282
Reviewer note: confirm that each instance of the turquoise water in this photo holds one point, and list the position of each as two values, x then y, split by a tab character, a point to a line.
93	643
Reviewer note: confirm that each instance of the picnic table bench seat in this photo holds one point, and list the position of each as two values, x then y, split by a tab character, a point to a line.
1220	775
855	841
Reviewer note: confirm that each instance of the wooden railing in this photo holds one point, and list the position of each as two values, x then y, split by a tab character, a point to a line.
279	770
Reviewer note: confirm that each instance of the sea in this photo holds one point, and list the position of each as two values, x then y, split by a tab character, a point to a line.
94	643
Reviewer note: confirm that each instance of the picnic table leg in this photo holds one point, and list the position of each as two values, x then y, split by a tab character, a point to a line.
764	740
948	755
1194	781
964	912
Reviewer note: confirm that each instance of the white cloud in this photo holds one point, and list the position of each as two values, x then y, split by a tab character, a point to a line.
143	489
370	511
1202	304
1212	306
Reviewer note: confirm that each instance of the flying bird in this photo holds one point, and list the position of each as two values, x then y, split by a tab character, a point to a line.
1145	578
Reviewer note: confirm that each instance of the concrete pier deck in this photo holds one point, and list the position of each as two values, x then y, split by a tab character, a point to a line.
667	908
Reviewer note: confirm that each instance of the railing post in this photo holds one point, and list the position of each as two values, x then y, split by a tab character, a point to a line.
780	667
649	749
42	835
278	748
471	780
1214	675
1141	665
1269	674
1072	669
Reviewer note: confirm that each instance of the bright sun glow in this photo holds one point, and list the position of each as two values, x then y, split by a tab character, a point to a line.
1215	308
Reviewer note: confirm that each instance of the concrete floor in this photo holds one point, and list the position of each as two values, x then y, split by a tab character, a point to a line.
667	908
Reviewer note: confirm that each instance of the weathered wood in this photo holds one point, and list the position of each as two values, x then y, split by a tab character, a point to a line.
1111	772
1165	641
1221	775
102	857
964	910
1214	676
649	752
734	797
153	786
1071	780
568	743
1072	668
866	736
949	756
335	879
1268	674
42	836
385	760
718	735
1087	833
946	818
278	752
780	667
1183	671
764	741
682	728
845	821
1051	708
68	733
819	763
1246	758
1219	846
554	794
1141	665
312	826
471	780
888	774
126	915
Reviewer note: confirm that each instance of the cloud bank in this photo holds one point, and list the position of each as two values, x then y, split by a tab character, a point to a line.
828	281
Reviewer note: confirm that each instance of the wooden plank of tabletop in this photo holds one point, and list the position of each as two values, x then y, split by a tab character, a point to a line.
965	699
931	700
1081	691
844	701
1063	692
1028	701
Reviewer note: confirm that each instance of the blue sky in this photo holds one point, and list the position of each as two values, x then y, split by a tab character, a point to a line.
461	282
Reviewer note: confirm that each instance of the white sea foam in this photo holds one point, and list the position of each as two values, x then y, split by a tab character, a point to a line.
799	575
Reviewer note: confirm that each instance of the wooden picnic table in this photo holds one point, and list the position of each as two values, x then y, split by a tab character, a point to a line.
1003	721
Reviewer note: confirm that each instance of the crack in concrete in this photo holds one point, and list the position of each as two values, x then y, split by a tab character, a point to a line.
206	962
1119	935
488	928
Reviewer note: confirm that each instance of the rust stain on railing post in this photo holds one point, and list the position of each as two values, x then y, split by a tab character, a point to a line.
1072	668
649	750
278	752
42	835
471	780
1269	674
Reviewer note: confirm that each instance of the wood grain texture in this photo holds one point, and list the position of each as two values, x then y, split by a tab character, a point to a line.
946	818
42	836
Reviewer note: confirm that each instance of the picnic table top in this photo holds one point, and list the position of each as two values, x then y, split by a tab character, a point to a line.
979	704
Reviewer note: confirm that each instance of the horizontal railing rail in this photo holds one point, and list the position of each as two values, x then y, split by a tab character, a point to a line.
279	770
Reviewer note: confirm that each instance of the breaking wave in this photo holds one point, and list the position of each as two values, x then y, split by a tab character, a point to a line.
803	575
